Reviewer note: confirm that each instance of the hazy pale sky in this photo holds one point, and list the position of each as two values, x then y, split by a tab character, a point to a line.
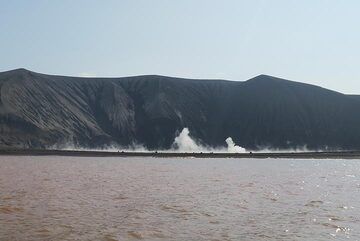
311	41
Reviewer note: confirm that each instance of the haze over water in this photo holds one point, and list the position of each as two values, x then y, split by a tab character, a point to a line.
82	198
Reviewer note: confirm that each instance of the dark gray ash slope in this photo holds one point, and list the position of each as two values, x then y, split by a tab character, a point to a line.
38	110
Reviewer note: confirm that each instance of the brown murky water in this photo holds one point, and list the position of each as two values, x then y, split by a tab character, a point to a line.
73	198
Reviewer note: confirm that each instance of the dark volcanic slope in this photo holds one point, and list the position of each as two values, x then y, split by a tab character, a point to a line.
38	110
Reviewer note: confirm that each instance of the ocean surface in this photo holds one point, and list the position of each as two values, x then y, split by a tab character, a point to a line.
82	198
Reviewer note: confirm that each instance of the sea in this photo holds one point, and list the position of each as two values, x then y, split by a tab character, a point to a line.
119	198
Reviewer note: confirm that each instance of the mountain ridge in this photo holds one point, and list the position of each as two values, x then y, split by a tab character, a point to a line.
39	110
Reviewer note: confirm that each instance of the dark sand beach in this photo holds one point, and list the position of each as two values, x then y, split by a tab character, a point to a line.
89	153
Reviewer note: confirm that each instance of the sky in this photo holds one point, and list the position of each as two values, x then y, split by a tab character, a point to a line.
311	41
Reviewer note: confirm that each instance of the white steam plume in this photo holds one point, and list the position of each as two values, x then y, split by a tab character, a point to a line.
184	143
232	147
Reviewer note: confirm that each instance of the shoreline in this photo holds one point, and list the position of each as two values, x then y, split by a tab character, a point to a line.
294	155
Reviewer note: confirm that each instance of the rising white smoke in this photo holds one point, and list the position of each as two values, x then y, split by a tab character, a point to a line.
232	147
184	143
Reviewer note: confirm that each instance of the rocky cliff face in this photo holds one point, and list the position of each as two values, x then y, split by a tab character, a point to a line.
38	111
